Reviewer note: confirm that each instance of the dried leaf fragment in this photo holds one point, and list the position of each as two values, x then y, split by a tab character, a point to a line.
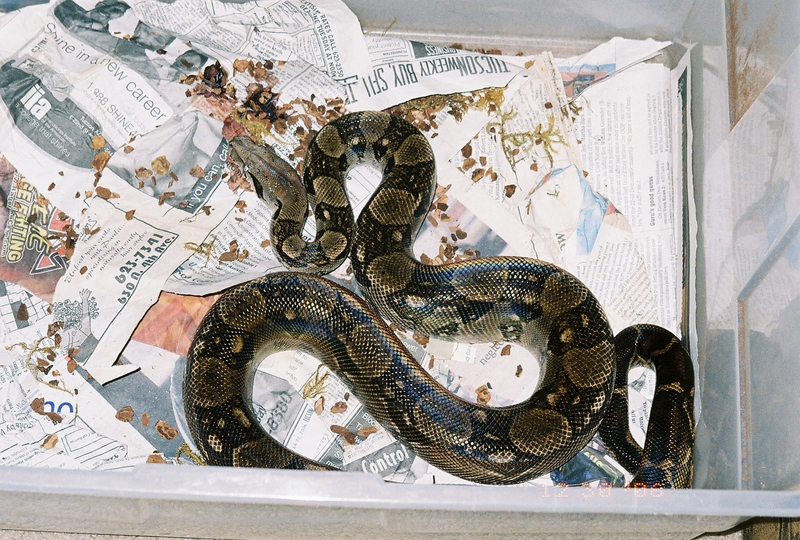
98	142
505	351
54	327
129	214
125	414
145	419
339	407
156	457
367	431
483	396
106	193
510	190
319	405
160	165
197	171
143	173
166	430
22	312
164	196
100	161
37	406
519	371
422	339
348	436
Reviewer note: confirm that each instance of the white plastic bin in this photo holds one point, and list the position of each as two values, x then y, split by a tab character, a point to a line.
746	293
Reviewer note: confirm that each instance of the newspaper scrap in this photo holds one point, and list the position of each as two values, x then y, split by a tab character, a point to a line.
117	188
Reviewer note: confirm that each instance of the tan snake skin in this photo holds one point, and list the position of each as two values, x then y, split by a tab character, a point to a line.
519	300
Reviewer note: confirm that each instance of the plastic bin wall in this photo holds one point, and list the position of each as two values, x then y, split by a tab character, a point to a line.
745	296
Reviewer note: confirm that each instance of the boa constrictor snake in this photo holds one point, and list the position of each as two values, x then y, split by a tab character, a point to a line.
513	299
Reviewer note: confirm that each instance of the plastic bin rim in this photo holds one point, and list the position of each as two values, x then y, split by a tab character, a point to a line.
359	490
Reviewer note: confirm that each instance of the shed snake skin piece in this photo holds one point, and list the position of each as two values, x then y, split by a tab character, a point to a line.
513	299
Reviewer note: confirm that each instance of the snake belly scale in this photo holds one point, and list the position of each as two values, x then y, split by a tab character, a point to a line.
514	299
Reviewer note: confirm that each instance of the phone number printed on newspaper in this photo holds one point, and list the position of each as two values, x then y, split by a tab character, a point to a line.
132	269
277	413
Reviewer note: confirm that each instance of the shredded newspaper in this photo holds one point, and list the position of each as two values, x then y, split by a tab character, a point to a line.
123	220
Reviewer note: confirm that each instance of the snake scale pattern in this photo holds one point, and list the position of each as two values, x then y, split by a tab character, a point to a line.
513	299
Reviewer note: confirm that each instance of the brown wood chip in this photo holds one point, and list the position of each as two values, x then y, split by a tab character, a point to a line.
50	441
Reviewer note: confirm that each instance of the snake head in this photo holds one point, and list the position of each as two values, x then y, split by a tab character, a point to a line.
272	177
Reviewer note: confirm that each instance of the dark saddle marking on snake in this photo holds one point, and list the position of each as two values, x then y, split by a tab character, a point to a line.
520	300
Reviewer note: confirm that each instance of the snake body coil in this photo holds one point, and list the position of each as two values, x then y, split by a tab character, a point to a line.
525	301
